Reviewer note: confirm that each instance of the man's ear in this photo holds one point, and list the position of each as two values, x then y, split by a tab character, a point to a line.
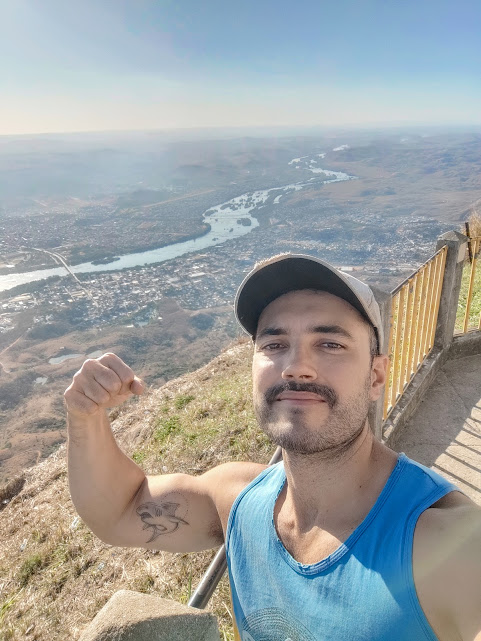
379	372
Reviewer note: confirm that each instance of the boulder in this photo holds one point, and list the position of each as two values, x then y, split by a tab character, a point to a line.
132	616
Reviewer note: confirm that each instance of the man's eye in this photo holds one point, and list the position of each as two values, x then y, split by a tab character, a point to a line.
333	346
272	346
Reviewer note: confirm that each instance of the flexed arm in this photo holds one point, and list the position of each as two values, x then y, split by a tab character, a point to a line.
123	506
103	480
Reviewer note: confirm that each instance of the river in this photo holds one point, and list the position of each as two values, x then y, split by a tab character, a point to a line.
228	220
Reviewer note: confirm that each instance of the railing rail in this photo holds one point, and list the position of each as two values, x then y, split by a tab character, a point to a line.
473	279
414	313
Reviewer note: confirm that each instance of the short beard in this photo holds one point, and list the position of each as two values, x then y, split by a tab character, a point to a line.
343	426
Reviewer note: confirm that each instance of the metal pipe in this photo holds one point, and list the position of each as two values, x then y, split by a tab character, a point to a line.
205	589
389	380
426	297
201	596
431	292
439	287
397	386
432	313
413	327
406	337
469	298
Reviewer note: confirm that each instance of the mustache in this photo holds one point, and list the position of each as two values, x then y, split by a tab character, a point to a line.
327	393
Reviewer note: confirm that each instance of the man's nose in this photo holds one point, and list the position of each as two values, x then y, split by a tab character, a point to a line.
299	365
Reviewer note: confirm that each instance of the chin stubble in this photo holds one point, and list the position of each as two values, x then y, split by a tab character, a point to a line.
343	426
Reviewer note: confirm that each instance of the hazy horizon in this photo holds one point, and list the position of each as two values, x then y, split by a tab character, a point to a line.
193	132
115	66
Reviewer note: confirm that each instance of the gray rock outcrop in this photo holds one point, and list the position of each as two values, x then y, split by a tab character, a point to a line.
132	616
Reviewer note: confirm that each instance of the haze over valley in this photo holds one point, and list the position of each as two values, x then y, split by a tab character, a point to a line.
135	242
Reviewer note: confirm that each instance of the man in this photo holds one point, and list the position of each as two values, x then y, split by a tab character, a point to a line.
344	539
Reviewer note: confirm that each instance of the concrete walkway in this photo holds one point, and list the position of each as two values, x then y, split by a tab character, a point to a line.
445	431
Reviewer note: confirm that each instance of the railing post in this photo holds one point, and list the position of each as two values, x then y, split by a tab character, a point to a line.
376	410
453	273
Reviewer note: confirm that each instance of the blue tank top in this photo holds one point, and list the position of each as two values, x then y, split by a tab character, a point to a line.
363	591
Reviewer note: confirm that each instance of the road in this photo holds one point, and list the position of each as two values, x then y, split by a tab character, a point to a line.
58	258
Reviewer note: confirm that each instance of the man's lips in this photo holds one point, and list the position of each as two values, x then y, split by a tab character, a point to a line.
302	397
301	394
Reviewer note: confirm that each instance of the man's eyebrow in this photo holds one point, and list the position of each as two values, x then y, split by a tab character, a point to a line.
272	331
331	329
317	329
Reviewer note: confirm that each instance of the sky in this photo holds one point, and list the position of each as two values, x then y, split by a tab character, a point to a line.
96	65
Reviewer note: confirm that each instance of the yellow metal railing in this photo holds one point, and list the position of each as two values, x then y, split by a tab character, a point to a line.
414	314
470	290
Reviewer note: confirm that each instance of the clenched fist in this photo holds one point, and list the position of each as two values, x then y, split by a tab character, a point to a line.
100	383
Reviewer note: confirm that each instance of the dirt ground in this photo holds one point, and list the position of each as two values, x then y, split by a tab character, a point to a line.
32	416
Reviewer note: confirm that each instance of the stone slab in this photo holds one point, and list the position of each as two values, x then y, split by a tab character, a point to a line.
132	616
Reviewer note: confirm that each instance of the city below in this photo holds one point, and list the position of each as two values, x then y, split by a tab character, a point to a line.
146	261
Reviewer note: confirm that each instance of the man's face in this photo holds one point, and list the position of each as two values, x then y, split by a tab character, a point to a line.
312	374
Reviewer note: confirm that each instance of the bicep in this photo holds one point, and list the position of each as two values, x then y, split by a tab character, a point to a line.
457	539
468	596
469	601
172	512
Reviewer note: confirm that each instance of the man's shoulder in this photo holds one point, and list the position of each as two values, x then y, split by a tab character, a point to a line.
225	482
450	514
447	561
235	472
452	526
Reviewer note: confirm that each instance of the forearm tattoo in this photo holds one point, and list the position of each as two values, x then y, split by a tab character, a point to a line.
163	517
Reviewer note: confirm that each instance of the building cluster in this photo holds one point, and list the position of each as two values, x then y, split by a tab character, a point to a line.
207	279
97	231
354	238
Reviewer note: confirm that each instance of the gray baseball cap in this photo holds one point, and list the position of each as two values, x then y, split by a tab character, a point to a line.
284	273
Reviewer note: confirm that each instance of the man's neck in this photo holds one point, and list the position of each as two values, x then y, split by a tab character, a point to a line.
331	492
